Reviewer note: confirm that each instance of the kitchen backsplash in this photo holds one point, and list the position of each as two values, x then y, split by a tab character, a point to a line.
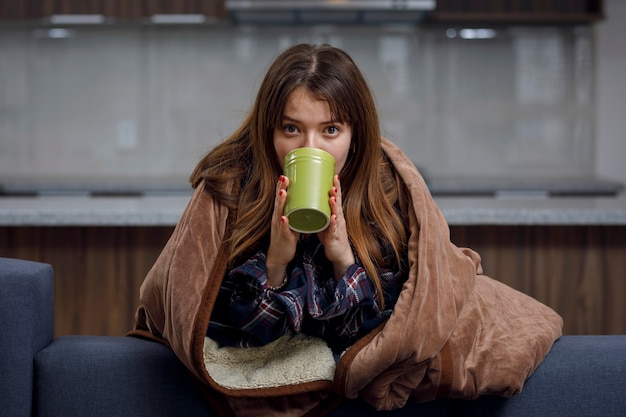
146	102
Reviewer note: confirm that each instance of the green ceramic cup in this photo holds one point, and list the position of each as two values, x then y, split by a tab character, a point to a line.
310	172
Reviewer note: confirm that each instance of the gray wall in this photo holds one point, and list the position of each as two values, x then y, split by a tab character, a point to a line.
610	130
147	102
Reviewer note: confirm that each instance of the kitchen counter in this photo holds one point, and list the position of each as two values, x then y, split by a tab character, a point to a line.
155	210
566	252
540	211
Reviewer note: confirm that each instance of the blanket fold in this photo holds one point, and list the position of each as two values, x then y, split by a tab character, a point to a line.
453	332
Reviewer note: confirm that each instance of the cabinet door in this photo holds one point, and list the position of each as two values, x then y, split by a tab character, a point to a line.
116	9
520	11
52	7
209	8
21	9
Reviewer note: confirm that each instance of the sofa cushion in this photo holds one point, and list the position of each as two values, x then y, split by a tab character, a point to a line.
109	376
113	376
359	408
581	376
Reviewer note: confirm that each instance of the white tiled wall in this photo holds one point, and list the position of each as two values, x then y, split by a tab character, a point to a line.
148	102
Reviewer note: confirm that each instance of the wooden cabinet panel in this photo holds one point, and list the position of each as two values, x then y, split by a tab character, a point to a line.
21	9
98	271
118	9
538	11
206	7
462	11
77	7
579	271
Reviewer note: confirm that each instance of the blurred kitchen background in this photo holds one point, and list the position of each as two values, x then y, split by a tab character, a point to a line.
107	105
127	96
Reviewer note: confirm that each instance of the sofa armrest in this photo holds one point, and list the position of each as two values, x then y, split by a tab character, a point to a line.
27	317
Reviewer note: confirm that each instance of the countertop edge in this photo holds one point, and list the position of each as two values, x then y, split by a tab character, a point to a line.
166	211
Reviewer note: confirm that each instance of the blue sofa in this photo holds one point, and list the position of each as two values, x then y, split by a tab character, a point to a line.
124	376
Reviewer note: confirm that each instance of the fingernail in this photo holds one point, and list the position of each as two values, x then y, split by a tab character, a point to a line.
282	178
334	199
281	193
334	189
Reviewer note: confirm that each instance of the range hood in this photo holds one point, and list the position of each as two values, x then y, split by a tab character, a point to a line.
328	11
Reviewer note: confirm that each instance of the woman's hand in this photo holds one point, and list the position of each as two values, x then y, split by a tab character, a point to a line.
335	237
283	240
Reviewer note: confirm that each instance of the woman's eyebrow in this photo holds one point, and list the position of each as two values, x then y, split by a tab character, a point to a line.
291	119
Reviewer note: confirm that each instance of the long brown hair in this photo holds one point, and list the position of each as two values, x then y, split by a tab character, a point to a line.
247	158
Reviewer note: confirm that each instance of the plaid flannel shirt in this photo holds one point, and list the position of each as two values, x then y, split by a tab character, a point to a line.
247	313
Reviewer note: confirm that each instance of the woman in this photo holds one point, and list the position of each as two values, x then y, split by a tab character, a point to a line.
381	304
280	281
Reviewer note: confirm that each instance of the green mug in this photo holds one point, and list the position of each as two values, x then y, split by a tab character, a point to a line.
310	172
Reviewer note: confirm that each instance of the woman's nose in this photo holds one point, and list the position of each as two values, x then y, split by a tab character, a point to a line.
310	140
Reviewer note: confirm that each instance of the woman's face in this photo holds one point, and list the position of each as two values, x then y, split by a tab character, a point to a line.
307	123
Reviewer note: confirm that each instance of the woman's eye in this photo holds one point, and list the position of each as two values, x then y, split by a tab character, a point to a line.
332	130
290	129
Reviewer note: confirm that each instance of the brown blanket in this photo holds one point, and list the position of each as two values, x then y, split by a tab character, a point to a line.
453	333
